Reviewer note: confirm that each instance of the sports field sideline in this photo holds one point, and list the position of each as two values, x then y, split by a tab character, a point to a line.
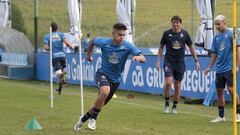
142	115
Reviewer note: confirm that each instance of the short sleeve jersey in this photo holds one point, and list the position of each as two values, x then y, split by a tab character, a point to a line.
175	45
222	46
57	43
114	56
85	44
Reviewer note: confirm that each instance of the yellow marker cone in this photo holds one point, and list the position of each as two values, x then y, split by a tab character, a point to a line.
114	96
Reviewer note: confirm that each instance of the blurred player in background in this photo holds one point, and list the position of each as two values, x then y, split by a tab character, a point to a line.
58	55
86	42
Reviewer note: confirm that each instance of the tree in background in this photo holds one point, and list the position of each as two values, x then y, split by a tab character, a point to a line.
17	19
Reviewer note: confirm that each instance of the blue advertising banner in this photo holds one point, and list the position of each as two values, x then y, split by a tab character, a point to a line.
137	76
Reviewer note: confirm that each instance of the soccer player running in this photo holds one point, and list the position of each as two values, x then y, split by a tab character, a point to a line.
58	55
86	42
115	52
221	53
175	40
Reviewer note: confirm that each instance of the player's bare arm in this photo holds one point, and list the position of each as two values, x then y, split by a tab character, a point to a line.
238	57
89	51
212	61
160	50
192	50
68	44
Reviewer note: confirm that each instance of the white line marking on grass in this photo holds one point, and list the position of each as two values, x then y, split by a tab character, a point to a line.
161	108
140	105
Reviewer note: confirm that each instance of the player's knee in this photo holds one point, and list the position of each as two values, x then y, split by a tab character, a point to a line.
168	85
176	85
59	73
220	92
104	94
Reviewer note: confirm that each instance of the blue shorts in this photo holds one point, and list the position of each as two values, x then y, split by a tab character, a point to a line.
103	80
59	63
174	70
223	78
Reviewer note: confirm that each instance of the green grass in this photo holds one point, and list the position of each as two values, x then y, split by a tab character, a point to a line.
22	100
152	17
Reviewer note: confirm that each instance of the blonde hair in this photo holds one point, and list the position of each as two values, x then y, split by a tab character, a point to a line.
220	18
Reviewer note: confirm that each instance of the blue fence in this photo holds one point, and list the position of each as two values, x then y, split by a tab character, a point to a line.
137	76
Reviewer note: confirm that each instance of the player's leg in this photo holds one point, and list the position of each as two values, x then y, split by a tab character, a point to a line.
221	101
60	83
104	90
229	77
168	86
92	121
58	70
177	86
220	85
230	90
95	110
62	76
63	66
178	73
99	103
167	93
113	89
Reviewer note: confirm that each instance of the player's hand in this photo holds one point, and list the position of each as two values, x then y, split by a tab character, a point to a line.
139	58
46	48
72	46
207	70
158	66
89	58
197	66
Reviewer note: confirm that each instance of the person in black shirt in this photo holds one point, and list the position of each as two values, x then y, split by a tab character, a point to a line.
175	40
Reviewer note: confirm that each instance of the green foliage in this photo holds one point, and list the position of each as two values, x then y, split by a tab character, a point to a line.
17	19
152	17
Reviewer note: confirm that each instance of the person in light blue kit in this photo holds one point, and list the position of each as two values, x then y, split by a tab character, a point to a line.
86	42
222	54
58	58
115	52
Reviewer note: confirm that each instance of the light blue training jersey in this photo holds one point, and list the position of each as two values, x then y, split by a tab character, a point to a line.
85	44
57	43
222	46
114	56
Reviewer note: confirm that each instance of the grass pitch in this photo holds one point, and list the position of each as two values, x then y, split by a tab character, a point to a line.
141	115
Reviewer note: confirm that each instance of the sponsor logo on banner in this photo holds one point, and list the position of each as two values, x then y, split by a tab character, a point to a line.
136	76
142	76
193	81
74	70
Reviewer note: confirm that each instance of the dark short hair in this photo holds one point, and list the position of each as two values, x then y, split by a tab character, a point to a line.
177	18
119	26
89	34
54	26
